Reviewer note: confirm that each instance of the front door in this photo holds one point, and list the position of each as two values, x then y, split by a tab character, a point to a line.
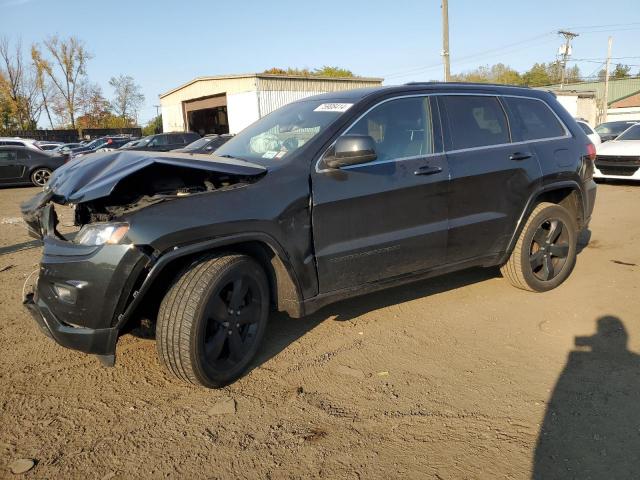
387	217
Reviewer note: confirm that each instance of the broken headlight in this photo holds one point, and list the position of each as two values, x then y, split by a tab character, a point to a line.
101	233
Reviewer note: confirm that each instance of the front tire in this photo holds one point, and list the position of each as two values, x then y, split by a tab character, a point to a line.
212	320
545	252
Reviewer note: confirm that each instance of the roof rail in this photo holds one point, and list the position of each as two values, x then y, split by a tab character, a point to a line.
470	84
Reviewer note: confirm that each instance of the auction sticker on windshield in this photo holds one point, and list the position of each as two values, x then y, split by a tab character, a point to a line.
333	107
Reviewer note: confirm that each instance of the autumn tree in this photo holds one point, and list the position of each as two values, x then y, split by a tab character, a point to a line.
64	63
499	73
127	99
19	86
325	71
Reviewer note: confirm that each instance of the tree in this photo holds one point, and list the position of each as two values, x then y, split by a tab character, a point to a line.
95	109
128	98
64	62
499	73
537	76
326	71
621	71
19	86
329	71
153	126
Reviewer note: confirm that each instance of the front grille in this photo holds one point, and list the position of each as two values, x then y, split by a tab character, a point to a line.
618	159
623	171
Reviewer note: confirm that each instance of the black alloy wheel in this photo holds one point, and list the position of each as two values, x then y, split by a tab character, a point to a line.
549	249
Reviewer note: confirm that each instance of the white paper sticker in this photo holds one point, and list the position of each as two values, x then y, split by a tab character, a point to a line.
333	107
269	154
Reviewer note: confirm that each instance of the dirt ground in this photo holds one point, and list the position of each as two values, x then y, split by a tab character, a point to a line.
456	377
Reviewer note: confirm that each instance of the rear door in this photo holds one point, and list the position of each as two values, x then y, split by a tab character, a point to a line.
387	217
491	178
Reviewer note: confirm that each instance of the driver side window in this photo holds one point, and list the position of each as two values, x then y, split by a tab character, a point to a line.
400	128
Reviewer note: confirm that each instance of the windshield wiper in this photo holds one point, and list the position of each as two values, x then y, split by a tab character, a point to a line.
232	157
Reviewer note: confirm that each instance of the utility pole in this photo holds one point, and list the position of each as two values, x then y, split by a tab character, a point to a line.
566	51
445	40
606	81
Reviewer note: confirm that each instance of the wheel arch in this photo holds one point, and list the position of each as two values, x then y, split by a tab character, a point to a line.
565	193
153	282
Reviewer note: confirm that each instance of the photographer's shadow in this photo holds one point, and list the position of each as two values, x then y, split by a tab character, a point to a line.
591	428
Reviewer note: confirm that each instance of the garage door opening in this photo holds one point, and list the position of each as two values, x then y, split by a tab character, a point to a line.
207	115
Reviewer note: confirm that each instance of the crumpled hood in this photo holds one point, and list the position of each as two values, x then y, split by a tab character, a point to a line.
95	176
619	147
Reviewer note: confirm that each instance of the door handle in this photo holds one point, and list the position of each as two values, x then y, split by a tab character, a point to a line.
520	156
427	170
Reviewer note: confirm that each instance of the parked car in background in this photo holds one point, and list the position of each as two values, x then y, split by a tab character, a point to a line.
19	142
21	165
326	198
206	144
66	147
590	132
620	158
130	144
111	142
610	130
163	142
47	146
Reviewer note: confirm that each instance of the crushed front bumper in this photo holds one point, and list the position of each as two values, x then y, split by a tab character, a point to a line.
97	341
98	283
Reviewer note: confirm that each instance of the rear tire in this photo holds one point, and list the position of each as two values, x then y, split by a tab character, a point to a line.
212	320
40	176
545	252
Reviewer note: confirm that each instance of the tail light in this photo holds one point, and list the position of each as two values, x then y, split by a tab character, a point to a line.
588	162
591	151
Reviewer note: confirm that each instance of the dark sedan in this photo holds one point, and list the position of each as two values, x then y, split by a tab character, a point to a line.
23	166
207	144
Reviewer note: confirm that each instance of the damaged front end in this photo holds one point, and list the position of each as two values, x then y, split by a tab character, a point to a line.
87	280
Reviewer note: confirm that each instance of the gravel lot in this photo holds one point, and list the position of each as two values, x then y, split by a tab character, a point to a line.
456	377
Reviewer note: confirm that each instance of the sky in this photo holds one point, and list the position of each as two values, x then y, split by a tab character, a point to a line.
163	44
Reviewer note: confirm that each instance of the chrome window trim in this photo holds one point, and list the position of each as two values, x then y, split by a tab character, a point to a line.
444	151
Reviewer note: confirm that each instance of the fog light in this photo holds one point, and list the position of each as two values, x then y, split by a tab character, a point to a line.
65	293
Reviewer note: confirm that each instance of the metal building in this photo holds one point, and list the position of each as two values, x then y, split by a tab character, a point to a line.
228	103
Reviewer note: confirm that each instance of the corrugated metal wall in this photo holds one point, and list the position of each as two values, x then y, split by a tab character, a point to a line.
274	93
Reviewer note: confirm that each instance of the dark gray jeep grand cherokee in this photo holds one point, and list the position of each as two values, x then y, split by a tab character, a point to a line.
328	197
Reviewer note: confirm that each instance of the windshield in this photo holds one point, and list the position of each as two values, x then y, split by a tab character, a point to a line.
613	127
276	136
632	133
142	142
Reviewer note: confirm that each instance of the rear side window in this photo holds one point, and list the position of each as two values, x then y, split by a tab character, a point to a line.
585	128
475	121
535	118
400	128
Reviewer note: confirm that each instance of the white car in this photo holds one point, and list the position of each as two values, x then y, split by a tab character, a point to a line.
591	133
19	142
620	158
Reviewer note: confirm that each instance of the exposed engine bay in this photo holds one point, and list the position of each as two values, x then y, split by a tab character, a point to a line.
153	184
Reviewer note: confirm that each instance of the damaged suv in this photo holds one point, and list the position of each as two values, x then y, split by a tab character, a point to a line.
326	198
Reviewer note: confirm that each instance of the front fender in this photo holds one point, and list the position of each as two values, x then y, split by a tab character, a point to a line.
289	291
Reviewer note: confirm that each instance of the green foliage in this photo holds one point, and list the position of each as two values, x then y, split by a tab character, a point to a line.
325	71
153	126
499	73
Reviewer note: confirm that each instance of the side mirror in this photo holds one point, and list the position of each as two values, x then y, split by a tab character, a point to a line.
351	150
